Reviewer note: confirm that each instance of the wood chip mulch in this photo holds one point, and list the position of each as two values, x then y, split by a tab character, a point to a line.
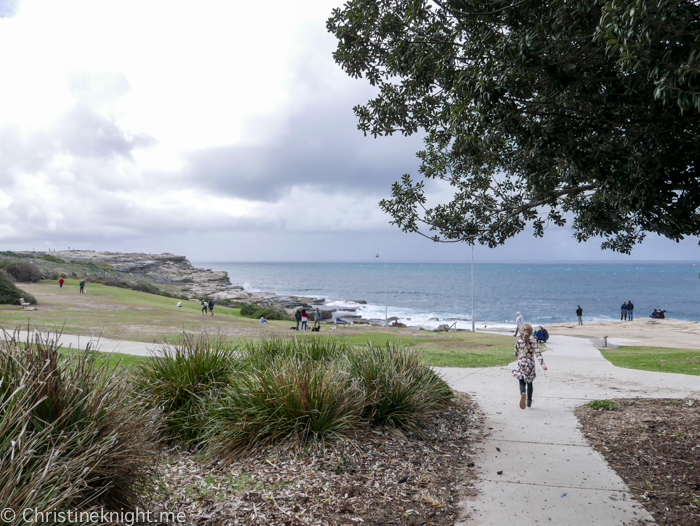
379	478
654	445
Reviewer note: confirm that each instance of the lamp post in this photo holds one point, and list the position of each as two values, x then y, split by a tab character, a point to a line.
386	304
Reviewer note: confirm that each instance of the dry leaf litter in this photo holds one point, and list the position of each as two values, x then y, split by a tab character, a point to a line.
382	477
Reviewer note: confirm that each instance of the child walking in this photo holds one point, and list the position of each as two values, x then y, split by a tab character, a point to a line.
526	350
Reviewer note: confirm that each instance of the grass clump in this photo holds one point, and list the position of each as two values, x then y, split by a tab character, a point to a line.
181	376
291	400
400	390
72	436
10	293
603	405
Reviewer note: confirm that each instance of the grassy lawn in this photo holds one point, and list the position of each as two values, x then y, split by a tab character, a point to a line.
125	314
660	359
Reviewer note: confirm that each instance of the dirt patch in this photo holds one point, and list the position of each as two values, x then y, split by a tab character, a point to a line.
654	445
380	478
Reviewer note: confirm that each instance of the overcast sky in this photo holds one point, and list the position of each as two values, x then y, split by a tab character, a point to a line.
220	130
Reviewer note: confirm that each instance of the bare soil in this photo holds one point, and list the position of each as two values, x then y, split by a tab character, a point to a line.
654	445
380	478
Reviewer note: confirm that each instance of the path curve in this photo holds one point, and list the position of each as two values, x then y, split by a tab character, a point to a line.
550	474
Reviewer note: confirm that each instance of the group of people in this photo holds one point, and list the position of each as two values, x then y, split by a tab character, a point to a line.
302	317
207	306
627	311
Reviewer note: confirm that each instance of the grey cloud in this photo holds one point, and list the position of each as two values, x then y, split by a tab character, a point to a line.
8	8
320	147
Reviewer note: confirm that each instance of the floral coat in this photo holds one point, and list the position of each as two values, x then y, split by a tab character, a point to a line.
525	368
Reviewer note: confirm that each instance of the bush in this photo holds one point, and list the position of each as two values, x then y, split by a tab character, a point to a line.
181	376
400	390
259	353
52	259
292	399
71	434
145	286
24	272
605	405
10	294
250	310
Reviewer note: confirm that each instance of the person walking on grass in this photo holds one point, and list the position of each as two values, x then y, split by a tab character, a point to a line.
60	283
518	323
623	312
526	350
204	307
297	316
630	310
211	307
579	314
82	286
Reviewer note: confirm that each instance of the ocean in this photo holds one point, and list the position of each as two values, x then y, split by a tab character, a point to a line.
429	294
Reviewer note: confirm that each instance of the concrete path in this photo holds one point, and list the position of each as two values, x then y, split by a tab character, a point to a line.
550	475
101	344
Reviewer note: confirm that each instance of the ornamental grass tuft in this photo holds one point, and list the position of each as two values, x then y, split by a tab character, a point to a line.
72	435
399	389
181	375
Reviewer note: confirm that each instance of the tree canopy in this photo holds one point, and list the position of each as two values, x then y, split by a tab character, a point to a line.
535	112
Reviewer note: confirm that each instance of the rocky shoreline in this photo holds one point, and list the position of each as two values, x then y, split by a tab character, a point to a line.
178	270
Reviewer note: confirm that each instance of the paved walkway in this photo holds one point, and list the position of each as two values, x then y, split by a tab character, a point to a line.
102	344
550	475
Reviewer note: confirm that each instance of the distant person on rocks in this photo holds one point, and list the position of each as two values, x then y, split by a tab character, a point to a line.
82	286
518	323
204	307
623	312
630	310
579	314
304	319
211	307
61	282
317	319
297	316
526	350
659	314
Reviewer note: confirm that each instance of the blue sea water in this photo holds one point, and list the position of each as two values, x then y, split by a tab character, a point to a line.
544	292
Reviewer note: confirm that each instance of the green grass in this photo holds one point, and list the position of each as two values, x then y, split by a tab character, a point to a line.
604	405
660	359
111	360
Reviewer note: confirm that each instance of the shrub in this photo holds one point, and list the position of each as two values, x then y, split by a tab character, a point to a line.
24	272
52	259
10	294
181	376
605	405
400	390
250	310
259	353
71	434
291	399
10	254
145	286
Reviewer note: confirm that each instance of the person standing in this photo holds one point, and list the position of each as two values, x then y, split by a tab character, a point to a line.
630	310
297	316
526	350
60	283
623	311
304	319
204	307
317	319
579	314
82	286
518	323
211	307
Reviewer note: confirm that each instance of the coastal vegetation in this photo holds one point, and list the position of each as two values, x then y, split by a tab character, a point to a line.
10	293
660	359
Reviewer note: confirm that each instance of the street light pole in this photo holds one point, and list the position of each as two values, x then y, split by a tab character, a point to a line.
473	320
386	304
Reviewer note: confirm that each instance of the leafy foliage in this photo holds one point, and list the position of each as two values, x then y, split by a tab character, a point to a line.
53	259
24	272
605	405
10	294
250	310
535	112
71	434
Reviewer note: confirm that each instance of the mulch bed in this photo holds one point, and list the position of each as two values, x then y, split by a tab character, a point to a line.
379	478
654	445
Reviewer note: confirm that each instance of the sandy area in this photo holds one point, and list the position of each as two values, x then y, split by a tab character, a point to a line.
642	331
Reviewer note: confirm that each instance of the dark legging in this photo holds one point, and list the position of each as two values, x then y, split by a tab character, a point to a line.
529	388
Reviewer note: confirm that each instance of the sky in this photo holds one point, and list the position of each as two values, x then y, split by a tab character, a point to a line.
219	130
